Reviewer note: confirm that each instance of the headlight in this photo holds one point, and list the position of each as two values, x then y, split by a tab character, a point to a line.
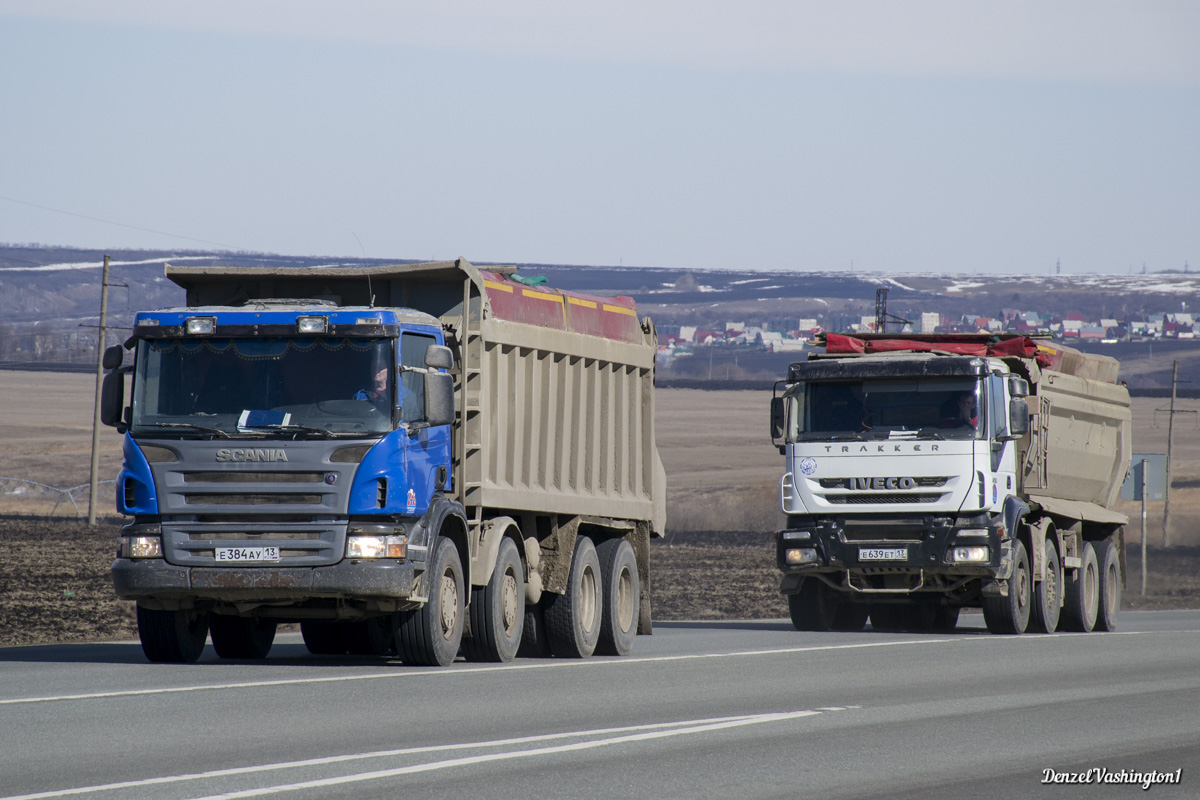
139	547
376	546
802	536
312	324
800	555
975	554
201	325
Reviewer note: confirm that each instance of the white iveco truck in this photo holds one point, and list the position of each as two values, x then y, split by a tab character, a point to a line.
927	474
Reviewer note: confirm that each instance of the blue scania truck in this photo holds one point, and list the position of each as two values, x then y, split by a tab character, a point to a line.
420	460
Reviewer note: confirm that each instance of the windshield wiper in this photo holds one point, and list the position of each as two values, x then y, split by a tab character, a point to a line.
291	426
201	428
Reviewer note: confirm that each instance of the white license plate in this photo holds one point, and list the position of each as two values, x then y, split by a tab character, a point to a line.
883	554
247	554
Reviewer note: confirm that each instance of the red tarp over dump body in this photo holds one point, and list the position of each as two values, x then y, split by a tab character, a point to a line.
607	317
1019	346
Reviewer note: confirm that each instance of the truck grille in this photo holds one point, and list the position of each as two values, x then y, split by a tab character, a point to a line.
875	499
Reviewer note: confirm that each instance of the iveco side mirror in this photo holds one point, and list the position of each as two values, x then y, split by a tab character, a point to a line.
113	357
439	357
112	397
1018	418
439	397
776	418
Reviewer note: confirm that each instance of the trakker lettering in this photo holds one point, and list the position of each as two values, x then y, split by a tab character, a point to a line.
881	483
879	448
255	454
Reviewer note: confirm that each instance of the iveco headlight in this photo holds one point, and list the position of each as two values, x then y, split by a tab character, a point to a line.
376	546
139	547
800	555
975	554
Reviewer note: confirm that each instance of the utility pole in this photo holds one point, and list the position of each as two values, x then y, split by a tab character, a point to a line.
100	342
1170	436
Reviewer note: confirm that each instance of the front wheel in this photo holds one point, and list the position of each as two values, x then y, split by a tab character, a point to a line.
497	611
1047	595
242	637
815	607
430	636
1010	615
172	637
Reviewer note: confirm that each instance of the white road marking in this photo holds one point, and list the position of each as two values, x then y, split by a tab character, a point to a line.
632	733
448	671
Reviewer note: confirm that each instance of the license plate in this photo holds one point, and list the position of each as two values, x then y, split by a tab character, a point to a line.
247	554
883	554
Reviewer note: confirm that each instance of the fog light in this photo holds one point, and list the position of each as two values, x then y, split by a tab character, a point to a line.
976	554
201	325
376	546
139	547
312	324
800	555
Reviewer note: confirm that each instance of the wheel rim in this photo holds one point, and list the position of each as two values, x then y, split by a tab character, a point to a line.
449	604
508	603
1022	587
1112	590
625	600
587	600
1090	591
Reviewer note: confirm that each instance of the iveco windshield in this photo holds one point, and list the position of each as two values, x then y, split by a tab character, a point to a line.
934	409
247	387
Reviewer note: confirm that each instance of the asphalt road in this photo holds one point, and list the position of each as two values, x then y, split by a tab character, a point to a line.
705	709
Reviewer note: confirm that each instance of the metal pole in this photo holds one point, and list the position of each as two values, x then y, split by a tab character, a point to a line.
1143	527
96	411
1170	436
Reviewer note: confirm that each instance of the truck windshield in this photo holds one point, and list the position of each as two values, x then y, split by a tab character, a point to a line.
228	387
934	409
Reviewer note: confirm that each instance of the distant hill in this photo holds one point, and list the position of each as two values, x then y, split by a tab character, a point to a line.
51	290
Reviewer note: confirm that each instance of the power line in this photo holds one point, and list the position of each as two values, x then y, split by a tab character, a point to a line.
118	224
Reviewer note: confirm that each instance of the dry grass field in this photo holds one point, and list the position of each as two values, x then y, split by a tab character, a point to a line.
716	562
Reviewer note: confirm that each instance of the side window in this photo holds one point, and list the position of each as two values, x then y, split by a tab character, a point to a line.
997	408
412	375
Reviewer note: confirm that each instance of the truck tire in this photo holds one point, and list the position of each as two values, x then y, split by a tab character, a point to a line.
1109	593
573	617
1082	595
1010	615
814	608
1047	595
497	611
373	636
241	637
622	590
430	636
172	637
323	638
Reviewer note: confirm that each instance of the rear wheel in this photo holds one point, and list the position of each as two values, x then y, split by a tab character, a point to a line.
172	637
622	597
1109	594
242	637
431	635
323	638
1082	595
1010	615
1047	595
573	617
813	608
497	611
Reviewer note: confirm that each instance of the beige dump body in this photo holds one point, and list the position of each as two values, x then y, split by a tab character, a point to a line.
551	420
1081	443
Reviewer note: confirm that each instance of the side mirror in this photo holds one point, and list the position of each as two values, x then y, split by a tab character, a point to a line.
439	398
1018	418
1018	387
776	418
112	397
113	357
439	357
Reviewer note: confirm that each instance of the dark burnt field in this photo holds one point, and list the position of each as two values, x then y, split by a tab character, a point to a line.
55	584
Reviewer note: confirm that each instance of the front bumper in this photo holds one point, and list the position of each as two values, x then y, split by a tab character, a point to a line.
155	579
893	553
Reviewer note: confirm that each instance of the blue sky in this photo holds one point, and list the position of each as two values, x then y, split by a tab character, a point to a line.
947	135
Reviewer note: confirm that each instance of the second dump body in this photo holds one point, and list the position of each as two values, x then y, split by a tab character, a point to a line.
928	474
416	449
